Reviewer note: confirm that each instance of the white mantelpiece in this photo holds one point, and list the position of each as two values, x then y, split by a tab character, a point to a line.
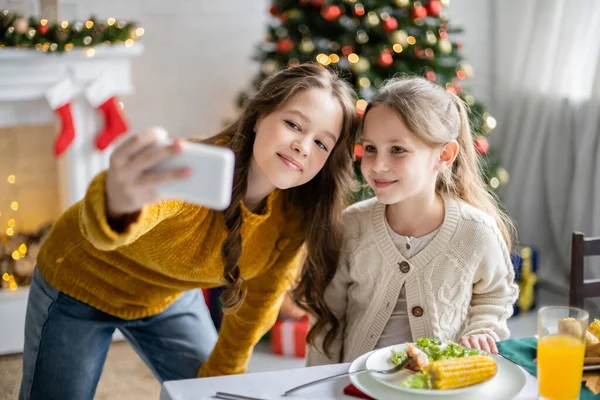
27	75
25	78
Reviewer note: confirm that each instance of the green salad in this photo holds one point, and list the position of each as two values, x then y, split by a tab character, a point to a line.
435	350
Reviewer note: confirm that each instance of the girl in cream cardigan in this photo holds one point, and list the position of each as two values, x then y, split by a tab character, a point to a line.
429	256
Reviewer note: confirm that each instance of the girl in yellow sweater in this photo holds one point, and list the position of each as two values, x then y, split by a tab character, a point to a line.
120	258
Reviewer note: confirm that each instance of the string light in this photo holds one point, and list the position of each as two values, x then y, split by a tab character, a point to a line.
14	206
11	179
10	232
90	52
111	21
353	58
397	48
411	40
11	223
139	32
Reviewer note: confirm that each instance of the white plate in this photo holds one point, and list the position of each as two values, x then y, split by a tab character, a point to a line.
508	383
380	360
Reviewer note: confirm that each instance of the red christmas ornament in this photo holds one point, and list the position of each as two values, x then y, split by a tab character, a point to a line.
389	24
482	145
347	50
385	59
430	75
434	8
359	151
42	29
459	45
304	3
273	10
317	3
284	46
331	13
418	12
359	10
419	52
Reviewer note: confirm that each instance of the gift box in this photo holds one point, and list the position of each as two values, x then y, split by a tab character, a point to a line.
525	263
288	337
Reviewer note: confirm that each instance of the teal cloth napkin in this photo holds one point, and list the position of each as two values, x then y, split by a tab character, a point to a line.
523	352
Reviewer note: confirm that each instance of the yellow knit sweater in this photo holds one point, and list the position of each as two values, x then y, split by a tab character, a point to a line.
172	247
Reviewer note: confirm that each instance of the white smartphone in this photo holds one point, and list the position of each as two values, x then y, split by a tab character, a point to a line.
211	180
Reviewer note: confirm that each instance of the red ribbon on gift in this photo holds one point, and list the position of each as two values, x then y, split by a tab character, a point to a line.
288	338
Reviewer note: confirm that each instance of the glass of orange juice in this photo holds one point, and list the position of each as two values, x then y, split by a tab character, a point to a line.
560	352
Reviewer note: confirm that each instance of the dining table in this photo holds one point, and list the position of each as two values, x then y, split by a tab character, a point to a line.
272	385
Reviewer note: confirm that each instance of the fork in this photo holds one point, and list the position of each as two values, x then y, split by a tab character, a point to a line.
390	371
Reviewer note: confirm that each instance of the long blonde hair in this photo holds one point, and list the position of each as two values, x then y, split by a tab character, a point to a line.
436	117
319	201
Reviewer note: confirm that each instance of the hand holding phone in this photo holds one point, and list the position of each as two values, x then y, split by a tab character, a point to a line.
148	167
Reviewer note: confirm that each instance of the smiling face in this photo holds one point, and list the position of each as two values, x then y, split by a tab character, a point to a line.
396	164
294	141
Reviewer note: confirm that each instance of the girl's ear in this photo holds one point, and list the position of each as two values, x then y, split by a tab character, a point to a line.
448	154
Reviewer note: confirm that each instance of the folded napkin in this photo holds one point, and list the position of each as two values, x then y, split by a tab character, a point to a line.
523	351
352	390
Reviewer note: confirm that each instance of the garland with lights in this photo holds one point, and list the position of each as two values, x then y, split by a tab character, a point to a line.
43	35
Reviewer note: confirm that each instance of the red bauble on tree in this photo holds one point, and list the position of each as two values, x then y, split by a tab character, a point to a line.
359	10
389	24
482	145
285	45
359	151
273	11
317	3
42	29
418	12
434	8
385	59
347	50
331	13
430	75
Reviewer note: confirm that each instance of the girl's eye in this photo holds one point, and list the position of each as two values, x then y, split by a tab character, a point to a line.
370	149
397	150
321	145
292	125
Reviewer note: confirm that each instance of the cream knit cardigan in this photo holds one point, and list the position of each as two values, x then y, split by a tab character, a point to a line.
461	284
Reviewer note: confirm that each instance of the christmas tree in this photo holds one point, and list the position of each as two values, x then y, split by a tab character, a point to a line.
369	41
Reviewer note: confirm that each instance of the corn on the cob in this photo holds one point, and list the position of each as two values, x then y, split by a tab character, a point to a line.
590	339
455	373
594	328
571	327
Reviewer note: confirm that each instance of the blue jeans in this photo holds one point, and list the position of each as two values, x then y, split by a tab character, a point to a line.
66	342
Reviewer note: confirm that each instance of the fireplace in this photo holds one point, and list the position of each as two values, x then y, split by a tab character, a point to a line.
35	187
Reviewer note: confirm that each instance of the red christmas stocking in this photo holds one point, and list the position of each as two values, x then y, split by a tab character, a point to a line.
59	97
101	94
115	124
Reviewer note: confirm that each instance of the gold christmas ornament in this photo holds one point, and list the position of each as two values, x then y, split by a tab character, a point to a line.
445	46
364	82
307	46
372	18
467	69
503	176
269	67
430	38
400	37
360	66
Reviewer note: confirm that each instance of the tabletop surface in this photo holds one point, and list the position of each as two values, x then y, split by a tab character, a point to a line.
270	385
